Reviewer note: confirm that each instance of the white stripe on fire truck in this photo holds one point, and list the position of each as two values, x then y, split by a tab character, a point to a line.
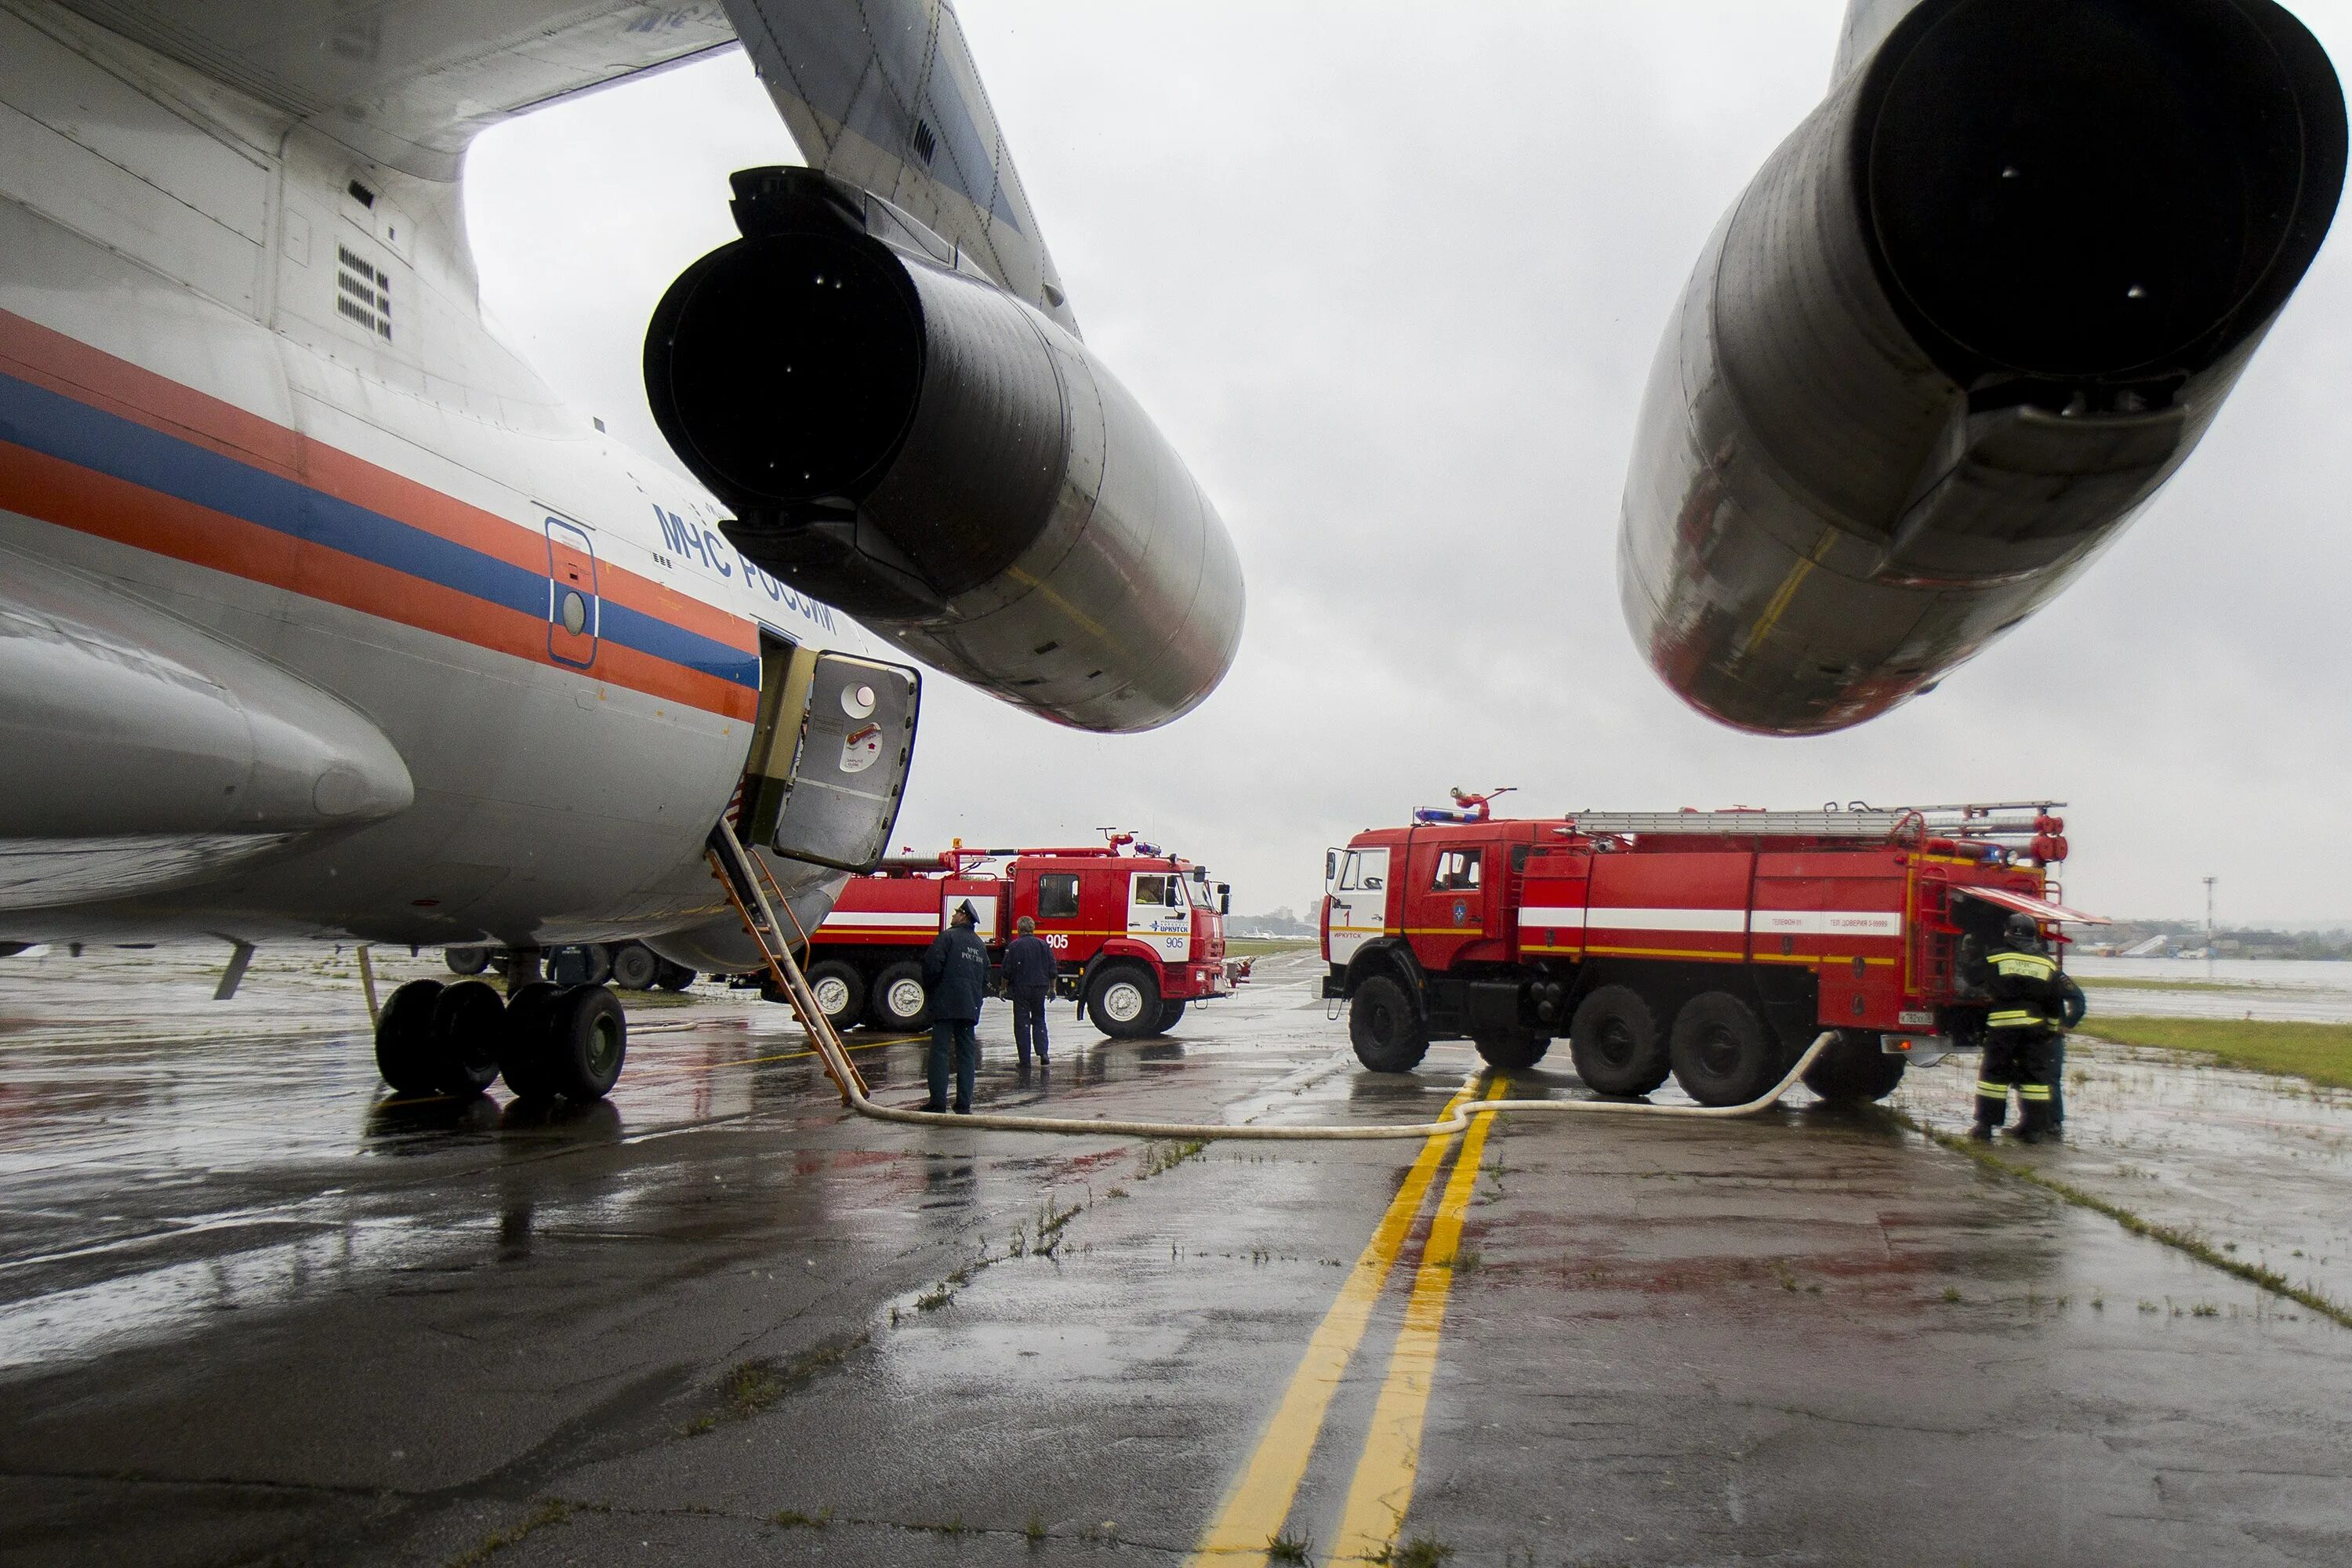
1731	921
1778	922
849	919
1827	922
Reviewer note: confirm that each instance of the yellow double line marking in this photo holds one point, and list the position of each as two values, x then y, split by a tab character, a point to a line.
1259	1503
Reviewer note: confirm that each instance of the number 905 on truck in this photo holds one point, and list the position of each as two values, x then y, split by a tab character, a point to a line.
1709	947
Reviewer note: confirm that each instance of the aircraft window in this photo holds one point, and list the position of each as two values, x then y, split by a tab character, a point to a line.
1158	888
1057	896
575	611
1457	871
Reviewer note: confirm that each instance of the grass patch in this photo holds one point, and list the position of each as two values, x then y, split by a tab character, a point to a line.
2195	1246
793	1519
1160	1157
2321	1053
1267	946
1420	1552
752	1385
1290	1548
553	1510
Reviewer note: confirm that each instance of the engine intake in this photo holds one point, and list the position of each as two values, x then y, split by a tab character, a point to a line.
899	437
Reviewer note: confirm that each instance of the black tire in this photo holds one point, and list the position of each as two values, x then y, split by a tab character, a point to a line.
587	1040
1123	1001
840	992
1616	1044
524	1060
469	1019
675	976
465	960
1171	1014
1723	1054
1385	1027
1514	1052
635	966
597	958
892	1006
1853	1068
403	1038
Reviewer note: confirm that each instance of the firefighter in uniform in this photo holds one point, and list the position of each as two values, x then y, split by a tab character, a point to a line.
2024	1044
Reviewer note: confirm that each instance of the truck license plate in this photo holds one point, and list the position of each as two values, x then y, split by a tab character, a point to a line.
1916	1020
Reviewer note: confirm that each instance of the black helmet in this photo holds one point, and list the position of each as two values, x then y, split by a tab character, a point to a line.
2022	929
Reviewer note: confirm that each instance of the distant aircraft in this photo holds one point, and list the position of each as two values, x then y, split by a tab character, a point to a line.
1965	322
321	618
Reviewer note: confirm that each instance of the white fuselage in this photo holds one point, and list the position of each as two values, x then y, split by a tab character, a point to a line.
251	421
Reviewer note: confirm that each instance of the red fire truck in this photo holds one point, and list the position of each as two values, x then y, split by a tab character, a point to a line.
1710	946
1140	935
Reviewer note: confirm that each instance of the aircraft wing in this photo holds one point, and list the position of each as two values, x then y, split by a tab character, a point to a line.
882	94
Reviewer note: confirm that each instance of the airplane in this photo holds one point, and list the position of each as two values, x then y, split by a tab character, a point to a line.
1956	333
322	619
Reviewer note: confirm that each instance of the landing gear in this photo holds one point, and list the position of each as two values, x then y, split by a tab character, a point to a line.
433	1038
1124	1001
1853	1068
545	1040
1514	1052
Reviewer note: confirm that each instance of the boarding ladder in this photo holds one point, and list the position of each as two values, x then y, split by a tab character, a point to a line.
751	889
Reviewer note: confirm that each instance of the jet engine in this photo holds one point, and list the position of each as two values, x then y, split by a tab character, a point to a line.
1961	326
901	438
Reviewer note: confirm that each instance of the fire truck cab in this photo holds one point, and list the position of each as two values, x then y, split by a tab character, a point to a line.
1711	947
1138	935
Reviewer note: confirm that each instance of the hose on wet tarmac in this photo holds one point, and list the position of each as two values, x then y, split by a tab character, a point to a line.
1204	1132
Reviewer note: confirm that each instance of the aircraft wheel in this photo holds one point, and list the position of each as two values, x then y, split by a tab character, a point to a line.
1124	1001
1171	1014
635	967
675	976
1853	1068
1513	1052
586	1041
1723	1054
403	1038
468	1021
1616	1044
465	960
1384	1026
899	1001
523	1057
839	990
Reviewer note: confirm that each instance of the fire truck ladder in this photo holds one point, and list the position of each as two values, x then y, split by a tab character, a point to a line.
756	898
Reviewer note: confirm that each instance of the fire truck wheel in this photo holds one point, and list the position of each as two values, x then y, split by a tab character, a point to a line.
465	960
674	976
1385	1029
1171	1014
469	1019
404	1037
1616	1045
1514	1052
898	1002
840	992
523	1056
635	967
1854	1068
1124	1001
1723	1054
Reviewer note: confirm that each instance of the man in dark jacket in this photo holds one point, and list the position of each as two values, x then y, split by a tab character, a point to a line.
2024	1045
1029	969
955	974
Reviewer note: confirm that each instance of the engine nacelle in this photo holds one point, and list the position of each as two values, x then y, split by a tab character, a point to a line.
899	437
1966	319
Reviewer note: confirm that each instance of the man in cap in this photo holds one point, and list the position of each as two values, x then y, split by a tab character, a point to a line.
2023	1044
1029	971
955	974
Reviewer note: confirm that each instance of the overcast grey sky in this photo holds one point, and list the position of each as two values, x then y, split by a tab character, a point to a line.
1390	277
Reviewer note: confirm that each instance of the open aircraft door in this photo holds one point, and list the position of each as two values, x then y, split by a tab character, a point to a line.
829	760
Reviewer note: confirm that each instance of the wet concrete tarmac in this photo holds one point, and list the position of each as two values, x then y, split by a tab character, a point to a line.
250	1313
